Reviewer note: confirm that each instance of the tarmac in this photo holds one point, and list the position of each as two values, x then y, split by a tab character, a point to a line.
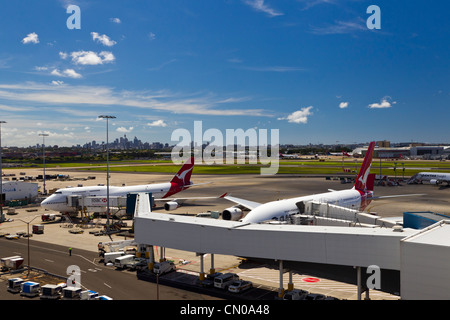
251	187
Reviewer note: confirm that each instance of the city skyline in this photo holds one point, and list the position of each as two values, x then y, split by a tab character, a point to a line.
314	70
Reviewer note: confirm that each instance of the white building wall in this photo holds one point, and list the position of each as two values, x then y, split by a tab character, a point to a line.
425	264
331	245
18	190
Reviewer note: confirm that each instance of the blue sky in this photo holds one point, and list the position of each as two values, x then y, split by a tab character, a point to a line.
311	69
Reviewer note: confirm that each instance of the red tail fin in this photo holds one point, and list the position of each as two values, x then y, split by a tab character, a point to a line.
183	176
361	180
370	182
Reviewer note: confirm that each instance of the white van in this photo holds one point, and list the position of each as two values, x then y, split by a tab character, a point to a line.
224	280
163	267
111	256
121	262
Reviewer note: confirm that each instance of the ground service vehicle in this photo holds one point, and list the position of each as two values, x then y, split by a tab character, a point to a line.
163	267
239	286
295	294
111	256
224	280
121	262
209	281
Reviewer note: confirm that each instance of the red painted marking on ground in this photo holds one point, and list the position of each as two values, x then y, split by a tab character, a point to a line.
310	279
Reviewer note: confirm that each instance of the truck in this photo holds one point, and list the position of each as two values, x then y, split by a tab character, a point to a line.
136	263
15	285
111	256
71	293
121	262
30	289
15	263
38	228
4	262
51	291
88	295
163	267
48	217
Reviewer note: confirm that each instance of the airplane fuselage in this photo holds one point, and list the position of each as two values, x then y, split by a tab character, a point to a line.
351	198
432	177
58	200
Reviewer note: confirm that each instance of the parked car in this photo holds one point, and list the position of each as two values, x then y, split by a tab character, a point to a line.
239	286
209	280
296	294
315	296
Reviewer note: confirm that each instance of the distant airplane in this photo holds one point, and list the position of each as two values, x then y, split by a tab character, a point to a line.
358	198
436	178
288	156
343	153
181	181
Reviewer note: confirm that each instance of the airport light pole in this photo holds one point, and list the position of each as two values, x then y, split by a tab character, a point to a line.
28	241
107	169
43	135
1	176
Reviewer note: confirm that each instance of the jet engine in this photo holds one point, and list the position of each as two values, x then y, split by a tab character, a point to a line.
171	205
434	181
233	214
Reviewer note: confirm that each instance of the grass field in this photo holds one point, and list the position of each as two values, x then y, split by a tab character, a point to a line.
313	167
256	169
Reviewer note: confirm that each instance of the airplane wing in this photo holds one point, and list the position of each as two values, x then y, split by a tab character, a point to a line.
242	202
181	200
399	195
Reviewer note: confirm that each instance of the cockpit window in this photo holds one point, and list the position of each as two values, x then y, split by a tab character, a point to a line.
58	192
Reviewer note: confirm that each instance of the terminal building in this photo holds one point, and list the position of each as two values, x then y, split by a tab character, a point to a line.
413	152
19	190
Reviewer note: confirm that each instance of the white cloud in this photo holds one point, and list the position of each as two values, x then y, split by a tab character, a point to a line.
341	27
157	123
385	103
37	68
63	55
103	39
259	5
31	38
124	130
57	83
92	58
300	116
274	69
343	105
70	73
115	20
79	95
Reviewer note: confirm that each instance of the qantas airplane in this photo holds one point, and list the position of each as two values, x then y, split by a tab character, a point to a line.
343	153
357	198
436	178
181	181
288	156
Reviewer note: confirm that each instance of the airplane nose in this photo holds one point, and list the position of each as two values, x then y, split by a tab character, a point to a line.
44	203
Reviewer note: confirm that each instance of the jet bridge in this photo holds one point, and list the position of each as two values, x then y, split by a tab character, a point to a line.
328	245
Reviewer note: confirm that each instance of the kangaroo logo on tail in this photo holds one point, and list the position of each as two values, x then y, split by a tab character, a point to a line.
361	180
183	176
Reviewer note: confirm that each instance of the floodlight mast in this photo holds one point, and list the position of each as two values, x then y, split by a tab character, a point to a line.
107	117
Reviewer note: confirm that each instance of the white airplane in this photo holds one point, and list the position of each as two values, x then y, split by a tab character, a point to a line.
160	191
343	154
288	156
357	198
436	178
